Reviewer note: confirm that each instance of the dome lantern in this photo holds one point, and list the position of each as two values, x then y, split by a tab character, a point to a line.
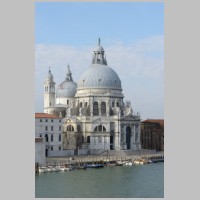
69	74
98	55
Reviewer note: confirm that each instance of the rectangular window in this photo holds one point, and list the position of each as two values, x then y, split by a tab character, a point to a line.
59	128
52	120
46	120
51	148
59	138
59	147
59	120
46	128
51	128
51	138
40	120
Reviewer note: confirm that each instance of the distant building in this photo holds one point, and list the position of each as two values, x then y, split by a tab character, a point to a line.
152	134
95	117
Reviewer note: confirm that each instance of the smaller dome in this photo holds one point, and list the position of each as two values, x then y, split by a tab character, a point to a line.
66	89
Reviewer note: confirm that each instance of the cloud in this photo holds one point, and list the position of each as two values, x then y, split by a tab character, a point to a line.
140	66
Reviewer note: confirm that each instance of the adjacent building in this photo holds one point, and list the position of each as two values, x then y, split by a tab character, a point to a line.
49	128
152	134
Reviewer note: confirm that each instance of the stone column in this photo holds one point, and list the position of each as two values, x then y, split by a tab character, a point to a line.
91	106
133	133
99	107
117	135
124	139
108	107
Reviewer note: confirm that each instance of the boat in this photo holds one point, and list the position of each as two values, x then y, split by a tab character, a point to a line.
42	169
65	168
128	163
94	165
120	163
140	161
155	160
82	167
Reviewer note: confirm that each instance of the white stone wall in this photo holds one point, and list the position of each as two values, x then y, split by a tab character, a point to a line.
62	100
100	142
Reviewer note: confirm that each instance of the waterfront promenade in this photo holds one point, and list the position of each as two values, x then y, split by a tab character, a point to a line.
107	156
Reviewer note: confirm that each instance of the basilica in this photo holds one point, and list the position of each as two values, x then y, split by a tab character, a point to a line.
95	117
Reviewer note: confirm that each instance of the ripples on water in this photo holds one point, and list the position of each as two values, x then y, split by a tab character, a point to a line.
142	181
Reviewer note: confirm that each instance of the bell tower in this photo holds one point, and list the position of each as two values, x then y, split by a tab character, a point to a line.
49	92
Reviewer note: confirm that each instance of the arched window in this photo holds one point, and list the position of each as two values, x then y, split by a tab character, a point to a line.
103	108
70	128
100	128
81	105
95	108
67	101
88	139
51	138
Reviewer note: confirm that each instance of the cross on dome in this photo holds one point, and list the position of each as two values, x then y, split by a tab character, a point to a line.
99	42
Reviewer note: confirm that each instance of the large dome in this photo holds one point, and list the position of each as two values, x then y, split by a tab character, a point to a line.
66	89
99	76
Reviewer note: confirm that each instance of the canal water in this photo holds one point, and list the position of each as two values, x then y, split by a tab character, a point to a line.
138	181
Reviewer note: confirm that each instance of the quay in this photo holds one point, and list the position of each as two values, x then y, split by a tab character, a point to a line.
107	157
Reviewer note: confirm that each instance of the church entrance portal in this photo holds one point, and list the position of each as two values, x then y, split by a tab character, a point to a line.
128	137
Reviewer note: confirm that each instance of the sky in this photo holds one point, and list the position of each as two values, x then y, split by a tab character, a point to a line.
131	33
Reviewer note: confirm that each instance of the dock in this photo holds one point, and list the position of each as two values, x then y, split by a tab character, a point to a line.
82	160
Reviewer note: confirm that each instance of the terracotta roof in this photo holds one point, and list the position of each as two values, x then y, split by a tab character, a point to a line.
160	121
45	115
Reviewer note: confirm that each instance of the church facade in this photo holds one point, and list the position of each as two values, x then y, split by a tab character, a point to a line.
95	117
